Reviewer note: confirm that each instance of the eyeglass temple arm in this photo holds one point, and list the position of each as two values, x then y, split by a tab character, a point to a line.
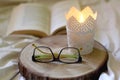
38	49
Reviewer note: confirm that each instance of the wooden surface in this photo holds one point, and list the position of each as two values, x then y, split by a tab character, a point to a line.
90	68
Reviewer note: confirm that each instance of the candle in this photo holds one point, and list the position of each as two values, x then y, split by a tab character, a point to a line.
80	29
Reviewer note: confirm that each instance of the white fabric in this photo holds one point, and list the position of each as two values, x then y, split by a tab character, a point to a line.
109	36
107	33
10	48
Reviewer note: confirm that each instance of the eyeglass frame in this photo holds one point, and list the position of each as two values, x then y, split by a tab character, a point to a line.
58	57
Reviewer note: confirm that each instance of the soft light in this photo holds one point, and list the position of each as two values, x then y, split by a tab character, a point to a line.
81	16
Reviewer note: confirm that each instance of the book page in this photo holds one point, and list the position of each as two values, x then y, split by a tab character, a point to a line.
30	16
58	12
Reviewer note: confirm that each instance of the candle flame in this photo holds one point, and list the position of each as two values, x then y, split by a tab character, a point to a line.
81	16
81	19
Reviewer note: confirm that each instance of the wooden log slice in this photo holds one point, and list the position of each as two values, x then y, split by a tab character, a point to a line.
92	66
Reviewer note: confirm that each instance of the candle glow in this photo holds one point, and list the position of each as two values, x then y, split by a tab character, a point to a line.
81	16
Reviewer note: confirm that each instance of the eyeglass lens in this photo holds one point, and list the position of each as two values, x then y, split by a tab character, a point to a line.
69	55
43	54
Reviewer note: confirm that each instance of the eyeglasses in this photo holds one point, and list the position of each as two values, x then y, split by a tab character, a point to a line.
45	54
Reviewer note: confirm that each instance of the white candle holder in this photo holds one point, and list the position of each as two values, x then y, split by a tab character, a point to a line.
81	35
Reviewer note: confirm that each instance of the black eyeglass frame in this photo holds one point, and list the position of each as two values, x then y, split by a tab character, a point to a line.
58	57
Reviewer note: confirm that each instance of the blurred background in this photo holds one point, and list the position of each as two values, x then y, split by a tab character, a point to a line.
6	7
107	33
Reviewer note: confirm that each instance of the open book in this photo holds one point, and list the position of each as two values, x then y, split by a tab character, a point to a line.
39	20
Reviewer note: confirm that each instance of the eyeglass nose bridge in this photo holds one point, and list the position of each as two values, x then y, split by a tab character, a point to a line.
56	58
